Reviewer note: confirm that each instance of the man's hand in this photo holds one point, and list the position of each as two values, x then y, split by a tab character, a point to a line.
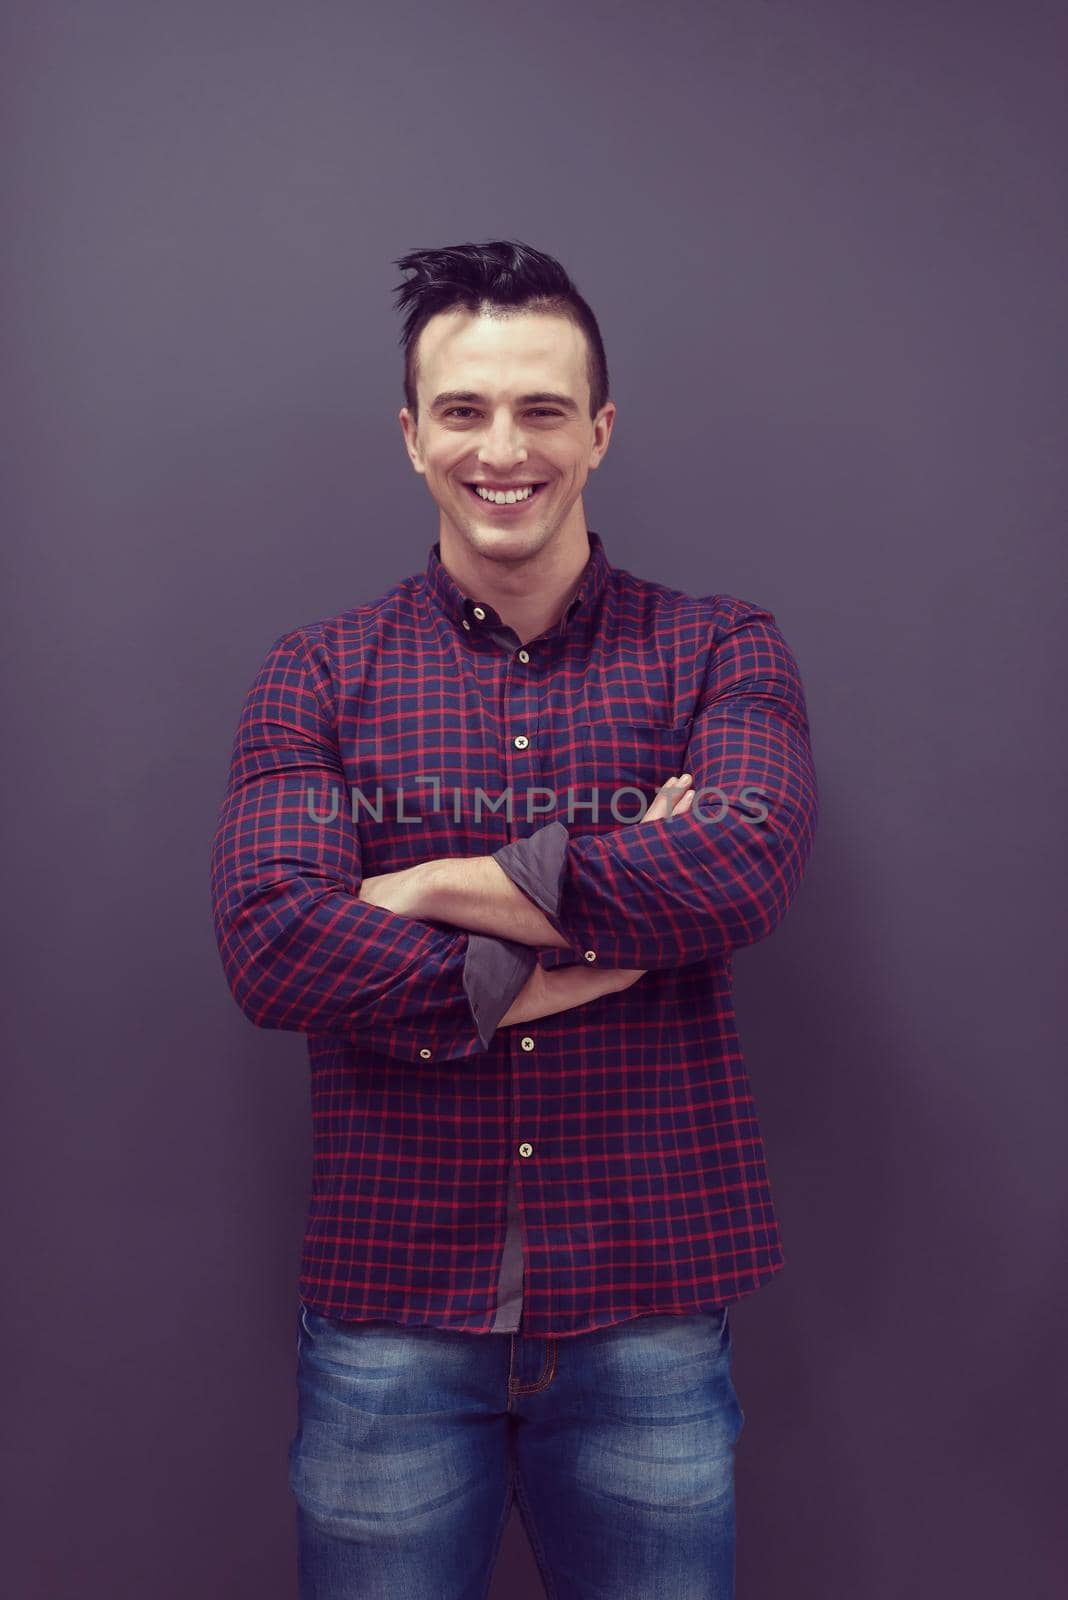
674	799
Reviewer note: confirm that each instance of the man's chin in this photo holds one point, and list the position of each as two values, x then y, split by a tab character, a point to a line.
491	527
490	539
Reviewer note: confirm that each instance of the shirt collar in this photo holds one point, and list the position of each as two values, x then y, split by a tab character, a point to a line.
460	608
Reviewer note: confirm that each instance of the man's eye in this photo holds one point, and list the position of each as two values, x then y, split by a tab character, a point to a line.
543	411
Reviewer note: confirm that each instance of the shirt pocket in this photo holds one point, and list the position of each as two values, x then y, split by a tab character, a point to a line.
622	764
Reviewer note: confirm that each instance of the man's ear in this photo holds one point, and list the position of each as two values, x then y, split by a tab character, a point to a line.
605	418
404	417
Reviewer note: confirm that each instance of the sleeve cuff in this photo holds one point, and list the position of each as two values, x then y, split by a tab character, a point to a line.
494	972
536	865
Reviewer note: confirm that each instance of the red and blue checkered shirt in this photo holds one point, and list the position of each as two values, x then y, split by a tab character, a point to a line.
595	1165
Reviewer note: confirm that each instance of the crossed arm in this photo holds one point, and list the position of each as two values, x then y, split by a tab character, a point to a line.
308	943
475	892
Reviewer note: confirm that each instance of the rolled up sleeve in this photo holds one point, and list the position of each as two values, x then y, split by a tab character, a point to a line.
494	972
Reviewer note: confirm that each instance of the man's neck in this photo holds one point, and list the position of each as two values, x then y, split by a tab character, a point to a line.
529	596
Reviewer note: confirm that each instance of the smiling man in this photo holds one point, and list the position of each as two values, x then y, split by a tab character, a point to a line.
490	841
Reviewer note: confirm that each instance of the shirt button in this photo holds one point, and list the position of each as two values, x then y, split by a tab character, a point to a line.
523	655
466	624
425	1053
526	1149
520	741
590	955
480	614
527	1042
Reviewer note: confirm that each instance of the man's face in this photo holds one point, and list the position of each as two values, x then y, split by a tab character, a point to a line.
480	421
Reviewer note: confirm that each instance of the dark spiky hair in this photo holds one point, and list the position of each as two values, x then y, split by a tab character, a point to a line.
496	275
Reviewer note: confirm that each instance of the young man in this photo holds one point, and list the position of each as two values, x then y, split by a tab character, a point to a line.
490	842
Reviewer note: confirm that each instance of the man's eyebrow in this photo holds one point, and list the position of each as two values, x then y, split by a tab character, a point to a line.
453	397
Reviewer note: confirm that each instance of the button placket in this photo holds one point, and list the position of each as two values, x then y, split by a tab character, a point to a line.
521	708
526	1148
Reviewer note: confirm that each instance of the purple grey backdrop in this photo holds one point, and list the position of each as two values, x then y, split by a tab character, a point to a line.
827	246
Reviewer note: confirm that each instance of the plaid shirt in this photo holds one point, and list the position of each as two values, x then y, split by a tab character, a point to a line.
597	1164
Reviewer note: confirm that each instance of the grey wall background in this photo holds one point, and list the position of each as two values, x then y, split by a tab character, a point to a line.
826	243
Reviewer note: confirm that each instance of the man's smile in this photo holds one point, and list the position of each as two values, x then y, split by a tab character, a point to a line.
504	499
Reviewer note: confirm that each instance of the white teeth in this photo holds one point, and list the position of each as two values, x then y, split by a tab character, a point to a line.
503	497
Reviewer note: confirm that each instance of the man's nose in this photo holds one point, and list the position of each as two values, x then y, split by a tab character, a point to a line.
503	442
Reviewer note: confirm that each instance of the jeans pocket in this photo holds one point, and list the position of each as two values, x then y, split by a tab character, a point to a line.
312	1324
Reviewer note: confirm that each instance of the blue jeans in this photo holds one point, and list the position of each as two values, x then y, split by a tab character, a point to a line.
618	1445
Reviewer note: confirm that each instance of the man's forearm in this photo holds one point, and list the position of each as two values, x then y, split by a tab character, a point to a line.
475	893
546	993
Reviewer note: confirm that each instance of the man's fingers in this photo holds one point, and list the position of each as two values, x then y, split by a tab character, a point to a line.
678	792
